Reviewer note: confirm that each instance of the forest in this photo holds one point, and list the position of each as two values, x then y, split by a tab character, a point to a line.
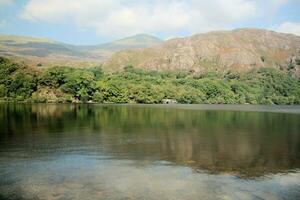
62	84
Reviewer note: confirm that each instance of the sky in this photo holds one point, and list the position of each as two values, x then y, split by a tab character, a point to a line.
99	21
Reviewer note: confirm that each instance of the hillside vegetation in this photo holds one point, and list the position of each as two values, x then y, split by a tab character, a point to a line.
66	84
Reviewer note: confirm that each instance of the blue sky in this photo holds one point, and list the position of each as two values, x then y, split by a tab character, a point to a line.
98	21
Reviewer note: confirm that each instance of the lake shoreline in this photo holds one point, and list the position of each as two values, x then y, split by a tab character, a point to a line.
291	109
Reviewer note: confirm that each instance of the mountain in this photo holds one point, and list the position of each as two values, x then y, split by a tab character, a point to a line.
238	50
43	51
136	41
133	42
40	47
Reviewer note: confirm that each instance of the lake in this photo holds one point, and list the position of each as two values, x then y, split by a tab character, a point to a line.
66	151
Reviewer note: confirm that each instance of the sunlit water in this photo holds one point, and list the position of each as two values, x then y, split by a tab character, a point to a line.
149	152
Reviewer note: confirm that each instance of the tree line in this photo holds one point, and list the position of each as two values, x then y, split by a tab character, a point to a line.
60	84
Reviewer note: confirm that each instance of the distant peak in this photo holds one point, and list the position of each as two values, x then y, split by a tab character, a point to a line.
142	36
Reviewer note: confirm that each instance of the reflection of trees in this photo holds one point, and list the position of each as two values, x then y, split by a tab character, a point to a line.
246	143
250	144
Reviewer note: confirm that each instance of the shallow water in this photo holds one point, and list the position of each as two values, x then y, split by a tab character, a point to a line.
149	152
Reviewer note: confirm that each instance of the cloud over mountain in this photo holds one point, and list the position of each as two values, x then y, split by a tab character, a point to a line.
289	27
121	18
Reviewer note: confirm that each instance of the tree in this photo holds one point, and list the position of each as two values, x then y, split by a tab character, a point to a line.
54	76
79	83
22	86
3	91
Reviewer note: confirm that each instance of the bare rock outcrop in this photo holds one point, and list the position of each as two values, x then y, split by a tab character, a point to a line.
238	50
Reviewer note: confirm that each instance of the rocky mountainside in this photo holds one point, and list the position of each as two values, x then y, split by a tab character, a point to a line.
43	51
238	50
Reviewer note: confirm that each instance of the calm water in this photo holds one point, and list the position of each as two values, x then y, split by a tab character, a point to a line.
149	152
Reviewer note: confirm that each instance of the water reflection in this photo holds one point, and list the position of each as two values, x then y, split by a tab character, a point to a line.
150	152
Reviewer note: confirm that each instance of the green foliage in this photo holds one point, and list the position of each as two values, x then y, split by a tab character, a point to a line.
6	70
278	87
189	95
98	97
97	71
79	83
54	77
232	75
145	93
180	75
22	86
65	84
15	81
3	91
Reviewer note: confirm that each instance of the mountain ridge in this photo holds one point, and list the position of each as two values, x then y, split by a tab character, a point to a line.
227	50
43	50
238	50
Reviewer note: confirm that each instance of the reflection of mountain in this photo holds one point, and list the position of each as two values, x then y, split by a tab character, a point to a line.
248	144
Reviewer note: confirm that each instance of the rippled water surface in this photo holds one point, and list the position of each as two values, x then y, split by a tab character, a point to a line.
149	152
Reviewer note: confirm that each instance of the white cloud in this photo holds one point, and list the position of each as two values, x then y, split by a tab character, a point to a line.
289	27
126	17
280	2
